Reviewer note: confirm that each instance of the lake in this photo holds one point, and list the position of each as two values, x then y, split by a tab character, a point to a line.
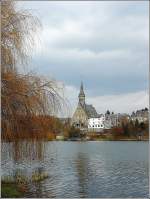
94	169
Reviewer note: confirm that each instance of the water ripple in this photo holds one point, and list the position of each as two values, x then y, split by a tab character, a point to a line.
89	169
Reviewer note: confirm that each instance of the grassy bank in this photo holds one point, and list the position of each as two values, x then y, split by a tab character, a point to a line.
11	190
17	187
121	139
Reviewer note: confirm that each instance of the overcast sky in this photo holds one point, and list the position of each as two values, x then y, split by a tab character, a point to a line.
104	44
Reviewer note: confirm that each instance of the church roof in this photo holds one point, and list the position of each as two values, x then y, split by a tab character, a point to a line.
91	111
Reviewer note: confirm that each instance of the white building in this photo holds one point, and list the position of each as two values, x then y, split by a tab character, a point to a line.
96	124
108	123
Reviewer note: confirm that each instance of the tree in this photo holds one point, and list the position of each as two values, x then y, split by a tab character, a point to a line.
108	112
142	126
136	124
132	130
23	95
125	129
117	132
18	30
74	132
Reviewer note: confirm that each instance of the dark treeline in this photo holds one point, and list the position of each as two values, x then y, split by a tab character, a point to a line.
131	128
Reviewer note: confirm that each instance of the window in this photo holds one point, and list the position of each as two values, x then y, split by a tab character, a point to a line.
93	125
98	125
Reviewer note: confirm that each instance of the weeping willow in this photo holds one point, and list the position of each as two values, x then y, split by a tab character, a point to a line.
28	101
18	30
24	96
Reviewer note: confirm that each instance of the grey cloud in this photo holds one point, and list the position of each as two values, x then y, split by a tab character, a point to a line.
103	43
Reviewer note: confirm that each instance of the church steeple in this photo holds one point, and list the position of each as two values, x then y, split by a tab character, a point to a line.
81	95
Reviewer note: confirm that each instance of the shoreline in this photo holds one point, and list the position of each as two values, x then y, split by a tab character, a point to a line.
80	140
84	140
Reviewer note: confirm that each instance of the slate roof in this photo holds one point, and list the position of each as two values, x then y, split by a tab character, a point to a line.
90	110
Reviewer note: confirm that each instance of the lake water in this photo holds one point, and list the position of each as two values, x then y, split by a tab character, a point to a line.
95	169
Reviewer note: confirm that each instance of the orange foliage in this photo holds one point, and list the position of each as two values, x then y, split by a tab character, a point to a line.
117	131
25	98
38	127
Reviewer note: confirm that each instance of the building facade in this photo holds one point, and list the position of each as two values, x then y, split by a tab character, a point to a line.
96	124
140	115
86	118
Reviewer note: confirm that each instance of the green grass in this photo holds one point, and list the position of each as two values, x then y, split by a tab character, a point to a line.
10	191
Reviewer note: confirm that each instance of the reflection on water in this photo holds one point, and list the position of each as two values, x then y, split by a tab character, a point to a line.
21	156
81	169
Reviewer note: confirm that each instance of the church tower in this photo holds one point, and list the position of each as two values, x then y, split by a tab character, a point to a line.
81	96
83	112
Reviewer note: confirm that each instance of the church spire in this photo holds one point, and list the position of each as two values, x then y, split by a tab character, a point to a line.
81	90
81	95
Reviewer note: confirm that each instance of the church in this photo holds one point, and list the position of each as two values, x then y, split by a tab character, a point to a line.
83	112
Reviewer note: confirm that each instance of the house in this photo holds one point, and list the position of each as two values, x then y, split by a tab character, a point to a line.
96	124
140	115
